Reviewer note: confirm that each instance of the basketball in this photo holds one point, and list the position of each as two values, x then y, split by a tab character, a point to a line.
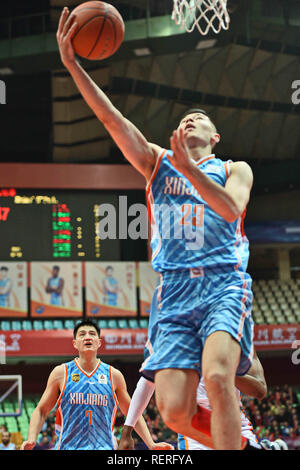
100	30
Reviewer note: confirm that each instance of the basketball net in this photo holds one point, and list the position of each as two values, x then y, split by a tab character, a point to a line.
205	15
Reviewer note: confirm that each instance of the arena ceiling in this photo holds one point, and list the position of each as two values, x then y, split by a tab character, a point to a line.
243	77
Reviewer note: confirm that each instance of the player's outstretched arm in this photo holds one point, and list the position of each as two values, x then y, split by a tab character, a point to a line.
140	427
253	384
45	405
132	143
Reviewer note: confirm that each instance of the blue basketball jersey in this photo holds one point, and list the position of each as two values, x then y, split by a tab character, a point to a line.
55	298
86	409
4	298
186	232
111	298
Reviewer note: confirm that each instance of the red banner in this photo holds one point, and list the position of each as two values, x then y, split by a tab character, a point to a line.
59	342
272	337
127	341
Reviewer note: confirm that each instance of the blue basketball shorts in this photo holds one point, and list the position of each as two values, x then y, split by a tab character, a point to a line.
190	305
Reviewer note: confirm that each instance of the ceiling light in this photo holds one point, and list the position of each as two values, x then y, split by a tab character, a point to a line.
142	51
206	44
6	71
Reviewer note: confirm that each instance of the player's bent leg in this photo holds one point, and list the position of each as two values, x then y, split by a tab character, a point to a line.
175	391
220	359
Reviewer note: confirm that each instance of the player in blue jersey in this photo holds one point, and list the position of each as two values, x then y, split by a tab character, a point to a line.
110	288
55	286
197	203
5	287
87	393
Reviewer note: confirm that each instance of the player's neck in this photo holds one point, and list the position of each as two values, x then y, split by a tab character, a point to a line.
197	152
88	362
197	155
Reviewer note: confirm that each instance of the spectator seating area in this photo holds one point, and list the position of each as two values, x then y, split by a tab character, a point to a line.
276	302
277	415
19	423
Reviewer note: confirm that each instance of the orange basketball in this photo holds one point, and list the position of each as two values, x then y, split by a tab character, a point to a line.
100	30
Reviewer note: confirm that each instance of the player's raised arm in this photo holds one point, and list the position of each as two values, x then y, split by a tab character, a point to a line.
132	143
45	405
238	186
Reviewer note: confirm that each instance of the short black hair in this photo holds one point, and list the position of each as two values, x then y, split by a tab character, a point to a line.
194	110
197	110
86	323
56	267
3	268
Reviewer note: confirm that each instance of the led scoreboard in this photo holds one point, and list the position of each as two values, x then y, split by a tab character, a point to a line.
48	225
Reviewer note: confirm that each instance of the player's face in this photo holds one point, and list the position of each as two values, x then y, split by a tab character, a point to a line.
55	272
87	339
198	125
3	274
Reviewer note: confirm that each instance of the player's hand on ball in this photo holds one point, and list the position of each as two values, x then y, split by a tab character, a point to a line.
162	446
27	445
65	32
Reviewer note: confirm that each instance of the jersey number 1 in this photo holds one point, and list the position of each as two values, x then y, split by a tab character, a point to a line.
89	414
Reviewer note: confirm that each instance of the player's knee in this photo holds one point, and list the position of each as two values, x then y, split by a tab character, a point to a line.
172	413
173	420
217	382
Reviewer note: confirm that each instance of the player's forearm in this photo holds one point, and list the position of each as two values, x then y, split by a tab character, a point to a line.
127	430
139	401
251	386
142	430
214	194
92	94
127	137
36	423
